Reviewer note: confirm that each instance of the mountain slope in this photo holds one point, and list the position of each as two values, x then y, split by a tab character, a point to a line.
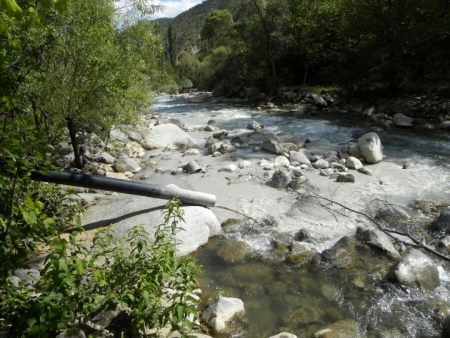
189	24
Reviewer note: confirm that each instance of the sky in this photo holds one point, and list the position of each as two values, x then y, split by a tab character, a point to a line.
171	7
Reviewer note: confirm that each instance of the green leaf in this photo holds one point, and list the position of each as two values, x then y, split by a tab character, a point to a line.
10	7
59	244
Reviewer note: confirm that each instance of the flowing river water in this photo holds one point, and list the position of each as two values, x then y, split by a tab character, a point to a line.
303	300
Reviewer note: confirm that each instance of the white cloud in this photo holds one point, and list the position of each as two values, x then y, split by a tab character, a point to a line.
171	8
174	7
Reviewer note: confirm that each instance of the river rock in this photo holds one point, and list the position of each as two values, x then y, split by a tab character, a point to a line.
284	335
209	141
134	149
273	146
125	211
345	178
118	135
341	329
226	317
231	168
370	146
234	252
191	152
148	144
355	106
300	157
244	164
210	128
253	125
326	172
365	171
226	148
321	164
124	163
445	125
443	221
318	101
27	276
377	239
281	161
281	178
165	134
416	270
220	135
172	120
104	157
401	120
353	163
298	182
342	254
355	151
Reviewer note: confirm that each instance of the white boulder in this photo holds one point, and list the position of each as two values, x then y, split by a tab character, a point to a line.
370	146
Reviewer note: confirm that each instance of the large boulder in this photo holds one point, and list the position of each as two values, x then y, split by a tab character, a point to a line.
125	211
370	146
253	125
226	317
443	221
416	270
401	120
273	146
124	163
377	239
104	157
300	157
165	134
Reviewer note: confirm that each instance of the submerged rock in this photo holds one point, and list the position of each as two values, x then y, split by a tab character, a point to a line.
341	329
416	270
443	221
234	252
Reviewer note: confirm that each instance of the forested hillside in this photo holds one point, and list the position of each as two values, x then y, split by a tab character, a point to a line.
265	44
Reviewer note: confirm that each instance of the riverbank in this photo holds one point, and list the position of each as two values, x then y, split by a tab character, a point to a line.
238	165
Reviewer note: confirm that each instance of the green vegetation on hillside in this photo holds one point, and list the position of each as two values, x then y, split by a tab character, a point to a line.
349	43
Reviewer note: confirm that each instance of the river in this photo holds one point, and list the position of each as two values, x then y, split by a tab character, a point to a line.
322	295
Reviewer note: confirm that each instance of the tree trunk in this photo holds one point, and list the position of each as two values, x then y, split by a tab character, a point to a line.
74	141
306	75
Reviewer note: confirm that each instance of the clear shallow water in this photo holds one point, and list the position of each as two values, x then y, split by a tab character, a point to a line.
307	299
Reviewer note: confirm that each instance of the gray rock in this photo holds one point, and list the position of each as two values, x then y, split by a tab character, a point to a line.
298	182
220	135
226	148
124	163
355	151
226	316
353	163
355	106
416	270
209	141
244	164
401	120
165	134
326	172
370	146
172	120
148	144
442	223
210	128
118	135
273	146
321	164
345	178
281	178
125	211
253	125
365	171
342	254
281	161
104	157
319	101
234	252
377	239
304	235
300	157
284	335
231	168
28	276
191	152
445	125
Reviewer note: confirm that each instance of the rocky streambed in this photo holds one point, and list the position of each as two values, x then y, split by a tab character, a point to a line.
300	225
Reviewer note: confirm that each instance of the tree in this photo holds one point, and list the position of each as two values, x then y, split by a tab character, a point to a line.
88	80
173	46
216	29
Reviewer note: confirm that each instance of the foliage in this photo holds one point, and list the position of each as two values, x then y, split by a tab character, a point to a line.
141	272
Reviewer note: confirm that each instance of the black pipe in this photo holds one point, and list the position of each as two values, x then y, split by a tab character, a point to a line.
127	187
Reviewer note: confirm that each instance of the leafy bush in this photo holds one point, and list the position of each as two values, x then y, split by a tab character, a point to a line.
137	272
